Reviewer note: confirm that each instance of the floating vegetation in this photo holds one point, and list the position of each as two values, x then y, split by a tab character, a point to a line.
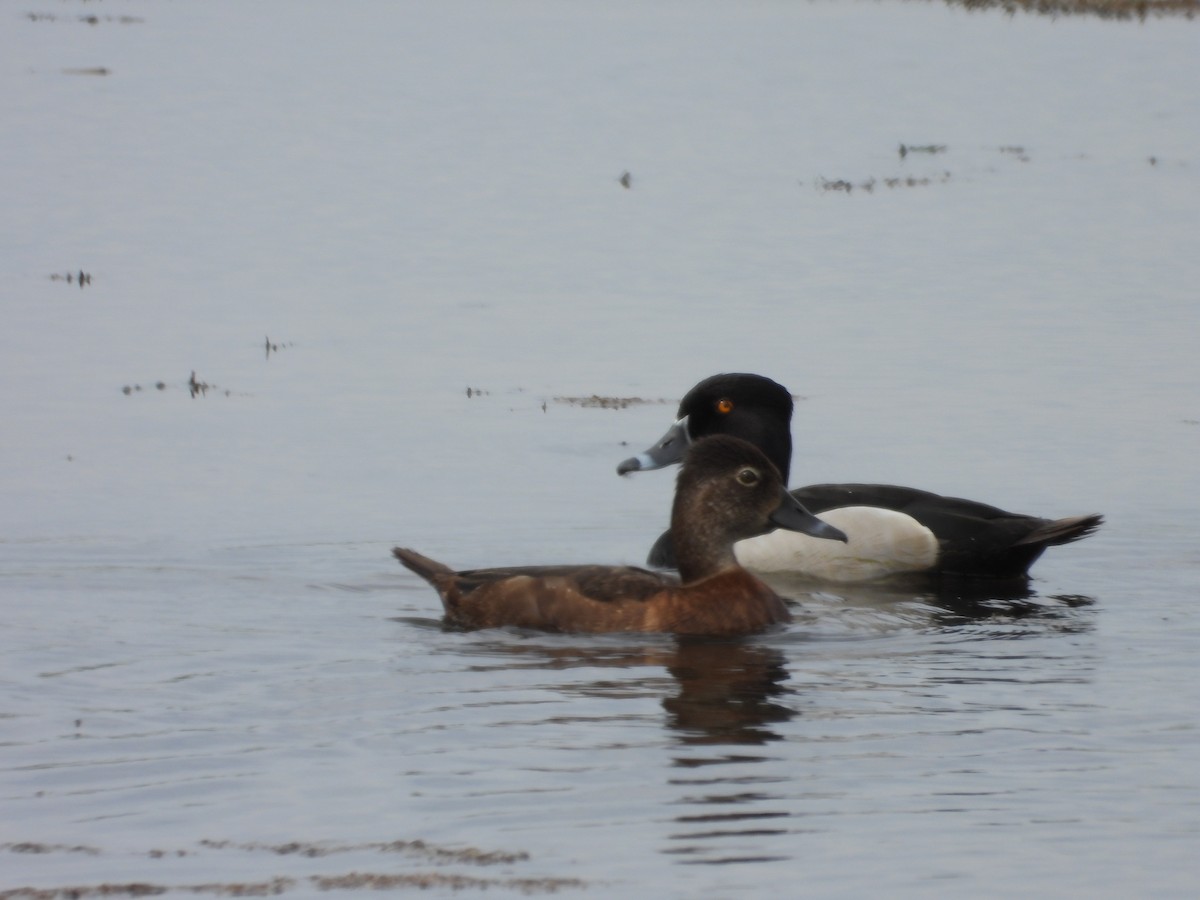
375	881
1104	9
273	347
86	20
1016	152
135	388
839	184
146	889
33	847
419	848
71	278
196	388
426	880
280	884
120	20
910	181
597	402
906	149
868	185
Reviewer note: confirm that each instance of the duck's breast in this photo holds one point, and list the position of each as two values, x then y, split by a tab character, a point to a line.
882	543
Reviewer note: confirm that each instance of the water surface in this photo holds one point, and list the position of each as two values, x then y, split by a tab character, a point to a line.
213	675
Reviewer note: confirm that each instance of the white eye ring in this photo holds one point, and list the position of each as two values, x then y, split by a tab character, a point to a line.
749	476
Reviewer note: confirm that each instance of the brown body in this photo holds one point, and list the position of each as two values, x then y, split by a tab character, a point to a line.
601	599
727	491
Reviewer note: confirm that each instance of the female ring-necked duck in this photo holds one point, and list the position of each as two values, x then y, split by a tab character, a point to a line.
727	491
892	529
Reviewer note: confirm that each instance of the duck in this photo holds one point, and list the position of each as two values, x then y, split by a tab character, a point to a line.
893	530
727	490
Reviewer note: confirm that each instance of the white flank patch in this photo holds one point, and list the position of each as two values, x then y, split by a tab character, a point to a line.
882	543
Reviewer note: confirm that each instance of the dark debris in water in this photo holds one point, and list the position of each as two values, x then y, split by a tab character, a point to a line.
37	848
1016	152
1154	160
135	388
90	70
597	402
282	884
147	889
81	278
1104	9
195	387
426	880
931	149
198	388
375	881
276	346
626	180
86	20
412	848
868	185
873	183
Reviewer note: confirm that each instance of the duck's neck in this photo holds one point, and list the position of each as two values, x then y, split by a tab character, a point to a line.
777	445
701	549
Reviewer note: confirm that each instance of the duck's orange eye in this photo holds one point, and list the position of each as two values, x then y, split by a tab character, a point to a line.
748	476
724	405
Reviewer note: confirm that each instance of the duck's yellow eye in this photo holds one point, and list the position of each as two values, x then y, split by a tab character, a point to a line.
748	476
724	405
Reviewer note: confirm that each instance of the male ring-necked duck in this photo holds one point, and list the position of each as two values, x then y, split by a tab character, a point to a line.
892	529
727	490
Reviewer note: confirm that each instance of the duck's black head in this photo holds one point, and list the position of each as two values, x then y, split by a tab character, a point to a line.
750	407
728	491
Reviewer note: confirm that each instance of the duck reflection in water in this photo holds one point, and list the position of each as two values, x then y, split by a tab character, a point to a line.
728	692
945	602
729	707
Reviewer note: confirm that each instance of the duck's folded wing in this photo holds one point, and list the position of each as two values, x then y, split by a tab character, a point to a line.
820	497
605	584
974	538
952	518
611	583
554	598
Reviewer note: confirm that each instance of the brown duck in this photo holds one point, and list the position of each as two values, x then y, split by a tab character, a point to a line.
727	491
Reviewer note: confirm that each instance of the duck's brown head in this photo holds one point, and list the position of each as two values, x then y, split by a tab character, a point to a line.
728	491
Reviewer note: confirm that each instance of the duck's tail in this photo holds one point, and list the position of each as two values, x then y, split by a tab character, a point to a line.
429	569
1061	531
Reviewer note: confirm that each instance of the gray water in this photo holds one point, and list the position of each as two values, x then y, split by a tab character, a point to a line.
213	676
